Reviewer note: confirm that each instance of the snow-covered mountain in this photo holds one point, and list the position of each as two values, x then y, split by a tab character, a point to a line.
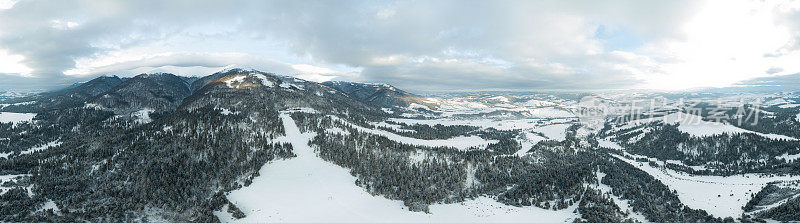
242	145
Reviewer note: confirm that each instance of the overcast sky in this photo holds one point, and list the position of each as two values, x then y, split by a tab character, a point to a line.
416	45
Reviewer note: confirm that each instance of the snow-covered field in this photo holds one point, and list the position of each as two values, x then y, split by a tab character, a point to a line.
308	189
789	158
459	142
719	196
142	116
9	178
40	148
12	117
695	125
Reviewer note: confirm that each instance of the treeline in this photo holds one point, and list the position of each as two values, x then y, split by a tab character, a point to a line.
723	154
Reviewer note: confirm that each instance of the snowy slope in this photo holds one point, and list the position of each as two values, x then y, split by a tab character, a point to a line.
11	117
719	196
459	142
308	189
695	125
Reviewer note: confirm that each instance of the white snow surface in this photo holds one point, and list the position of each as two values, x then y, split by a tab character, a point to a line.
40	148
264	80
554	132
308	189
225	111
528	141
15	118
50	205
234	80
16	104
696	126
609	144
9	178
719	196
789	158
142	116
789	106
505	124
335	130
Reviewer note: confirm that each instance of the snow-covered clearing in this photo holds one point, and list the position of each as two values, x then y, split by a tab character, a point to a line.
50	205
225	111
288	85
17	104
696	126
235	80
506	124
264	80
719	196
40	148
142	116
609	144
527	141
9	178
797	117
335	130
459	142
308	189
394	127
789	158
789	106
554	132
15	118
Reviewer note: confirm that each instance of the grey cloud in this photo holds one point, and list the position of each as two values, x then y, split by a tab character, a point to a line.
493	42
